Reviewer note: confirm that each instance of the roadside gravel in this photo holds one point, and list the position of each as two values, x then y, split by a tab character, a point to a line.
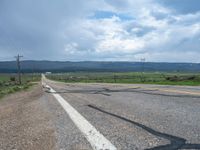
24	123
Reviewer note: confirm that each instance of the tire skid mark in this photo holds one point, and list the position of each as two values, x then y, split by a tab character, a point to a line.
175	142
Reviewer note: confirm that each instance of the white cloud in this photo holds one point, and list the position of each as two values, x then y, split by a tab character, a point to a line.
66	30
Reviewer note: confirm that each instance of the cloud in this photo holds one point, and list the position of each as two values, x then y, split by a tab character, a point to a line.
100	30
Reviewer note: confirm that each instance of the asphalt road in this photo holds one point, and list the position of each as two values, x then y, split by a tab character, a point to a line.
129	116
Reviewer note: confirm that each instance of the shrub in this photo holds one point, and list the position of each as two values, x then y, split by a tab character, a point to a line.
12	79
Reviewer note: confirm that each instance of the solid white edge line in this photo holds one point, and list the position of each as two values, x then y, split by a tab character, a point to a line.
94	137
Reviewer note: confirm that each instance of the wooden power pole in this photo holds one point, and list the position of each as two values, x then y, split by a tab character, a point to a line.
19	68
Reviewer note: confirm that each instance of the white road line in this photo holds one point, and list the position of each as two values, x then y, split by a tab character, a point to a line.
94	137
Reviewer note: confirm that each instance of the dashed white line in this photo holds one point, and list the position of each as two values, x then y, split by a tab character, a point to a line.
94	137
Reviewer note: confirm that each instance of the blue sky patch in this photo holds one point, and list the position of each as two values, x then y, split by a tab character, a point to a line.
182	6
109	14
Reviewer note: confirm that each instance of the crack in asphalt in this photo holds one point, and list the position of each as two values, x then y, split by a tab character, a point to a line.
175	142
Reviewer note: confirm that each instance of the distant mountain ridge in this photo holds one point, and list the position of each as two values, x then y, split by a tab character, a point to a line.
96	66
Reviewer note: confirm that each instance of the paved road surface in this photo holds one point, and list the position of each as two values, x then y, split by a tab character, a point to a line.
137	116
128	116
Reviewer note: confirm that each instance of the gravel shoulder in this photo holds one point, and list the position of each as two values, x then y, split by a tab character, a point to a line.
24	123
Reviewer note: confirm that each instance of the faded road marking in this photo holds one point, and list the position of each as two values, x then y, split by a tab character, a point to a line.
172	91
181	92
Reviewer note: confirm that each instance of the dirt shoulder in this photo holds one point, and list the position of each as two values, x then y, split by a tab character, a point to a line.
24	122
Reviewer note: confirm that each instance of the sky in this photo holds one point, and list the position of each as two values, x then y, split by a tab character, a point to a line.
100	30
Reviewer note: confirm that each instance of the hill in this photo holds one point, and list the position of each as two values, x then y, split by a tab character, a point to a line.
58	66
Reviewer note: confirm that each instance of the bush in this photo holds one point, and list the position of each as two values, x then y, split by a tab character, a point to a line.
183	78
12	79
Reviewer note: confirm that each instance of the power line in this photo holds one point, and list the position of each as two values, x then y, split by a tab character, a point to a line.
19	68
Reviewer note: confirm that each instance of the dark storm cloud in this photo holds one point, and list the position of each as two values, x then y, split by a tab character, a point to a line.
36	26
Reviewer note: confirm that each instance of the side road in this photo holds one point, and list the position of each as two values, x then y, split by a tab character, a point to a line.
24	123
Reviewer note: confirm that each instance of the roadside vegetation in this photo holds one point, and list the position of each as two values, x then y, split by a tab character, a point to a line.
192	79
9	83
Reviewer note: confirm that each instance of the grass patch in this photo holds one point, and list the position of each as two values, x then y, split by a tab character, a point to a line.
192	79
9	83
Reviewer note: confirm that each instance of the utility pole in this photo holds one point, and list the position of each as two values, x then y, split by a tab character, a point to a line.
143	62
19	68
142	74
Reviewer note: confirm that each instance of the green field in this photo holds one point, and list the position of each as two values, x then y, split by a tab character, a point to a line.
192	79
9	83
